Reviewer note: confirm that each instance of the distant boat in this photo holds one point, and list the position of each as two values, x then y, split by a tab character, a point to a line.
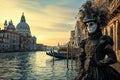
62	53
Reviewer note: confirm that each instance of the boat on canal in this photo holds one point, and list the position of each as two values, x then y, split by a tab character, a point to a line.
59	55
62	53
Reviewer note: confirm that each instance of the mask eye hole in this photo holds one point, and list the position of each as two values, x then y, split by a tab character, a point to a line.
91	24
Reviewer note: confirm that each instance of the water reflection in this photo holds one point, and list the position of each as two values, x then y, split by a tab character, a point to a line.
33	66
24	66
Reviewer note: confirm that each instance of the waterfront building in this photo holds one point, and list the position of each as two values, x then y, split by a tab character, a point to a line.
78	34
10	26
27	42
22	27
42	47
113	27
17	39
24	43
9	37
72	38
33	45
82	30
9	41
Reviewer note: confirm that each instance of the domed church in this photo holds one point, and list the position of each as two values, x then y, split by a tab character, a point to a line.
27	42
17	39
22	27
11	26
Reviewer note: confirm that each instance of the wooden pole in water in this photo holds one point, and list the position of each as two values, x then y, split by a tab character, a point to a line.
67	57
72	58
53	55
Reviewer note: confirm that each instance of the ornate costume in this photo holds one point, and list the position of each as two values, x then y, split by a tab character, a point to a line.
96	51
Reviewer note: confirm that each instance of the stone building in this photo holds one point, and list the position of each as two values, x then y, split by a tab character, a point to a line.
72	38
9	38
27	42
76	36
113	27
33	45
22	27
17	39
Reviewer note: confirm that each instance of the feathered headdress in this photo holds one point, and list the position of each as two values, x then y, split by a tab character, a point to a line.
91	12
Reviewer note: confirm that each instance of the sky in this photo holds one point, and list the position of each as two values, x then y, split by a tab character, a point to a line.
50	20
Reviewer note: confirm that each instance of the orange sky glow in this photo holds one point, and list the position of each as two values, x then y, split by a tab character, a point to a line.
50	20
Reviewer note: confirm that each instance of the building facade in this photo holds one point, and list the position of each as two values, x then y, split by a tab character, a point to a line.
76	35
27	42
113	27
9	41
72	38
17	39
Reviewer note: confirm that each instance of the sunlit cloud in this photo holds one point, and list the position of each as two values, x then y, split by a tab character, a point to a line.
50	20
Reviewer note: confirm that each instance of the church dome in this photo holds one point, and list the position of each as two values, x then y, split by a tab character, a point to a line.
10	26
22	27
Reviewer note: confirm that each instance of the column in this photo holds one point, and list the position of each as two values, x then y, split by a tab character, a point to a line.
114	36
117	35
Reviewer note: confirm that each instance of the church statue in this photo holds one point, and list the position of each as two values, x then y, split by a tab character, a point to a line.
96	53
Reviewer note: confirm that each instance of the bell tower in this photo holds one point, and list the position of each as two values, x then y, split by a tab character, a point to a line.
5	25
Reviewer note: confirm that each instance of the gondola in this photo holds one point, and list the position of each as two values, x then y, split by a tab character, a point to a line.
61	55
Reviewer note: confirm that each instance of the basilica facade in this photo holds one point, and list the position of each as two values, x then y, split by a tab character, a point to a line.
17	38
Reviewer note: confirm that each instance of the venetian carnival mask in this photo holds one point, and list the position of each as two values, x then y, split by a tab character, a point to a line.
91	27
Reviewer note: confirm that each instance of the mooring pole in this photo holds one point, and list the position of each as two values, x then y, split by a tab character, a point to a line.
72	58
53	55
67	57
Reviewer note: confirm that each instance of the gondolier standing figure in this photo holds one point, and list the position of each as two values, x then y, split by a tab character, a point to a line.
93	63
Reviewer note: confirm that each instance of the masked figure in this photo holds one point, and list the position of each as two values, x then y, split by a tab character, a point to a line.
96	51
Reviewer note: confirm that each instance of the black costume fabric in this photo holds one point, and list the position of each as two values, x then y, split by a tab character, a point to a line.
93	64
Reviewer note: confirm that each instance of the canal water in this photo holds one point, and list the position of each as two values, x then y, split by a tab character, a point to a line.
34	66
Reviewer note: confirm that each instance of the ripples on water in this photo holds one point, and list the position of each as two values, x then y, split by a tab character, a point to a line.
34	66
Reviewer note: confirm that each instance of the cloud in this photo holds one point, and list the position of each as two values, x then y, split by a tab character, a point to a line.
56	9
48	19
49	12
9	10
57	27
55	18
62	27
